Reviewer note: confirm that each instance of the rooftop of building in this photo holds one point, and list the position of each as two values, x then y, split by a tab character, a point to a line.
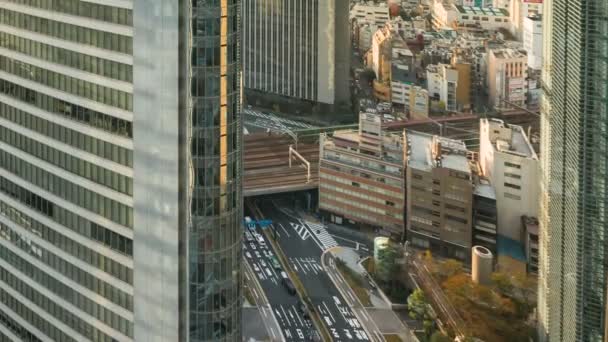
508	53
512	139
421	147
494	12
484	188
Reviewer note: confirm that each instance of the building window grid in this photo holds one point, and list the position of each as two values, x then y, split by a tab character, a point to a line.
115	15
67	293
72	59
71	85
60	187
84	253
68	162
74	33
31	317
68	110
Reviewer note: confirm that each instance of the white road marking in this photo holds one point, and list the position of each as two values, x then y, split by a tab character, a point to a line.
285	315
285	230
301	267
329	312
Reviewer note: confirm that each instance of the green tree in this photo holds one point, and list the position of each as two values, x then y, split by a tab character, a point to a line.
386	265
418	306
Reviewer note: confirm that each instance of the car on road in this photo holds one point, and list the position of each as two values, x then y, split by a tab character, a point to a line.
263	263
291	289
248	255
260	239
268	272
252	245
248	236
257	254
255	267
275	263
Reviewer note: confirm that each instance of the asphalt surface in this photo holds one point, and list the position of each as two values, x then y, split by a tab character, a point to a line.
303	242
284	305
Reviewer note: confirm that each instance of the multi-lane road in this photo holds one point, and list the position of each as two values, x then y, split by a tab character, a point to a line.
285	307
303	242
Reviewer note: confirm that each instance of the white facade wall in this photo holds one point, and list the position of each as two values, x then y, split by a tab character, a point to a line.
369	13
515	178
506	77
400	93
533	42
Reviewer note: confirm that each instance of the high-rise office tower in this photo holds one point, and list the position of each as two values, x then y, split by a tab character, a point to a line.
297	49
120	189
574	161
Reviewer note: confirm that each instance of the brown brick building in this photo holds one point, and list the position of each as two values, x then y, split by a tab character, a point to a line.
361	177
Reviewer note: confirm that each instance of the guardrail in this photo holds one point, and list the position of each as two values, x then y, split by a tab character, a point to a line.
300	289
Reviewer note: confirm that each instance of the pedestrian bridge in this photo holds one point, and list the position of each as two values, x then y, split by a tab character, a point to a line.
267	167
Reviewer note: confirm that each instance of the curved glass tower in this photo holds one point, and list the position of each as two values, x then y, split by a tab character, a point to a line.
187	170
214	193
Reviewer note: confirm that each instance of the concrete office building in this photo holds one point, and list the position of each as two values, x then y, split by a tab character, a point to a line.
506	77
439	195
296	51
361	177
442	82
376	14
120	171
533	41
572	222
509	161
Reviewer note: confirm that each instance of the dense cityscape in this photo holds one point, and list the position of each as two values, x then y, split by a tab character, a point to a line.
303	170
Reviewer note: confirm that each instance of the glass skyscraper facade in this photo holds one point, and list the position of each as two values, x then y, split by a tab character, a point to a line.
573	218
120	191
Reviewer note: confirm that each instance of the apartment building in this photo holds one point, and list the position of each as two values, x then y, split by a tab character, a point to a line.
507	70
442	82
403	73
361	180
533	41
485	18
509	161
439	195
376	14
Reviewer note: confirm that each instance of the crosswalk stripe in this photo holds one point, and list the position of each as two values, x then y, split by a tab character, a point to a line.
327	241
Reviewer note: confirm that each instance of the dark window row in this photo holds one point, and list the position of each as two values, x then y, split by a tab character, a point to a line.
43	302
78	195
68	110
115	15
68	162
62	290
32	318
74	33
72	59
74	273
71	85
84	253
